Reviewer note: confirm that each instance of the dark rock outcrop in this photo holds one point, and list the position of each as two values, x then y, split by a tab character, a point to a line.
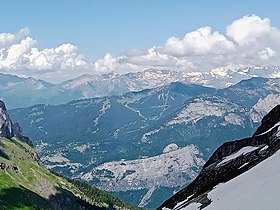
266	140
6	125
7	128
2	106
17	131
269	120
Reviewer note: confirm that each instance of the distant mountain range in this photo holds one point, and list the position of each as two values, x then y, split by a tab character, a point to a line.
24	92
26	184
241	174
119	142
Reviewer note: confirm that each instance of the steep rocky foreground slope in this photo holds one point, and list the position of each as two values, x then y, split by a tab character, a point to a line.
242	174
26	184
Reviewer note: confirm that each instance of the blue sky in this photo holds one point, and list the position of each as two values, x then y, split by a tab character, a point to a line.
105	30
100	26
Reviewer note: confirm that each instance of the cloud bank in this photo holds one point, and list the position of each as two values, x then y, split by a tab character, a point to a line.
19	55
250	40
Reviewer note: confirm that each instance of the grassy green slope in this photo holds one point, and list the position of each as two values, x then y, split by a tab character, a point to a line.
25	184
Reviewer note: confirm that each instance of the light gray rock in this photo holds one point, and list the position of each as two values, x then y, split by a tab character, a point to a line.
6	125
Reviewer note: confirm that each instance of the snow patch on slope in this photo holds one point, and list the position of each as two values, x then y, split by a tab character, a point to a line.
240	152
270	129
256	189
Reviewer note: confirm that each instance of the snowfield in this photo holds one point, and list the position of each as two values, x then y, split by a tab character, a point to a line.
256	189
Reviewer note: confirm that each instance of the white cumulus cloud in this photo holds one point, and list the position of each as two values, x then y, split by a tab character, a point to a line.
249	29
8	38
106	64
250	40
200	42
19	54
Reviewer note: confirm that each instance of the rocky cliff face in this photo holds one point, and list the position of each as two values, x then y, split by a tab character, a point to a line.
7	128
229	161
6	125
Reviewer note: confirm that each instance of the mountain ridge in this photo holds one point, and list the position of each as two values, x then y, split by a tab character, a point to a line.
137	126
26	184
229	162
29	91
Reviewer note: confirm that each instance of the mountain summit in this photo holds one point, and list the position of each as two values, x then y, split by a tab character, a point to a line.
238	174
